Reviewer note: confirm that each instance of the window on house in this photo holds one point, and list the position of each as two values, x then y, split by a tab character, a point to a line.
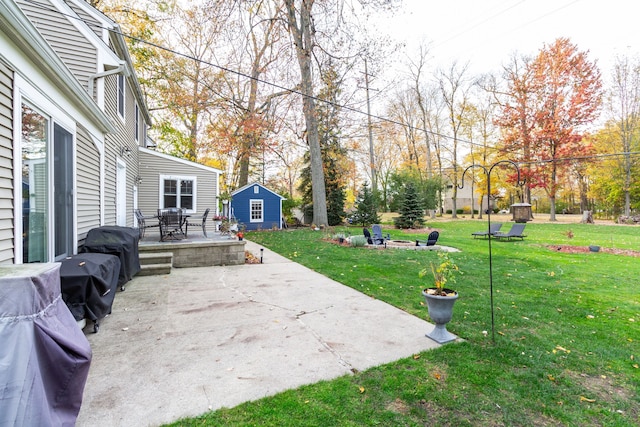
178	192
137	131
257	210
121	97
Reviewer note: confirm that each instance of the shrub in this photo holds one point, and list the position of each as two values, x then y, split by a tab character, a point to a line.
358	241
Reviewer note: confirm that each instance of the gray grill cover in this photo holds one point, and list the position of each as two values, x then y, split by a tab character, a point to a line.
44	356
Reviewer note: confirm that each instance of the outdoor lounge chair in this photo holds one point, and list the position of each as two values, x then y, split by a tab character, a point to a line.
515	232
367	235
494	228
431	239
202	223
378	237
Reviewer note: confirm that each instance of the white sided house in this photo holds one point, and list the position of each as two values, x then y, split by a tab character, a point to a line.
166	181
73	132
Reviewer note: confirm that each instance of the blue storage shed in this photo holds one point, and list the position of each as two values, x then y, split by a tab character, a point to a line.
257	207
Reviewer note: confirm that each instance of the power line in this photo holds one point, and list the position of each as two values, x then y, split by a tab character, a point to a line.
259	80
297	92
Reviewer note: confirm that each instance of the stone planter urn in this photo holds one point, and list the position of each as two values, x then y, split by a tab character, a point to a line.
440	311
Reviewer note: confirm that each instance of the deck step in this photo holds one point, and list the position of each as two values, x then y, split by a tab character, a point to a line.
155	263
156	258
154	269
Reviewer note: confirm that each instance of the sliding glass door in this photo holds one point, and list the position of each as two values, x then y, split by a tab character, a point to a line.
47	188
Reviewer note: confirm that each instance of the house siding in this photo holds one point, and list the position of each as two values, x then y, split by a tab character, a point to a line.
114	143
152	166
91	22
6	165
88	187
72	47
271	204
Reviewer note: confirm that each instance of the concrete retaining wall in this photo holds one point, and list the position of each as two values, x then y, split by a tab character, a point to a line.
201	254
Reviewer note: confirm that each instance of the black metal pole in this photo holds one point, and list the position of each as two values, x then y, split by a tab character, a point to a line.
488	174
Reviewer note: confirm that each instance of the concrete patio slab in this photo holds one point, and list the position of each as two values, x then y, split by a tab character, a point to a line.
204	338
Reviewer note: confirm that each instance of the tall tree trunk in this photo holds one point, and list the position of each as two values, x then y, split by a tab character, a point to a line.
302	37
552	191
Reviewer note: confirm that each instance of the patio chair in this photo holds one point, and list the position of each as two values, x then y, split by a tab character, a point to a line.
378	237
431	239
494	228
515	232
367	235
202	223
142	222
171	222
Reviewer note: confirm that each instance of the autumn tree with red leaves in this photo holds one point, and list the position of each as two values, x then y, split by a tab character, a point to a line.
516	117
552	100
569	93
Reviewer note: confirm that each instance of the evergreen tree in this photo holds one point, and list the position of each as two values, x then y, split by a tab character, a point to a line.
333	154
365	213
304	187
411	210
335	196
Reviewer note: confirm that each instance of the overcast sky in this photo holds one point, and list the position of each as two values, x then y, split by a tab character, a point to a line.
486	32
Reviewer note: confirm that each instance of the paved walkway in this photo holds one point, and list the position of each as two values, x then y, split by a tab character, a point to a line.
200	339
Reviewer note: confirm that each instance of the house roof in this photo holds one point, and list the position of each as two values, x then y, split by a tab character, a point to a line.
241	189
117	38
22	32
179	160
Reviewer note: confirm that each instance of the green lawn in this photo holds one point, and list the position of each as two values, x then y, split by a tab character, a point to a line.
567	341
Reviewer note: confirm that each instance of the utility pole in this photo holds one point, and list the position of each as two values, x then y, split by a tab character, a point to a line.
374	183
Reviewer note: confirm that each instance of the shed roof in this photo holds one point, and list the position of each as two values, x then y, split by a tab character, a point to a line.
241	189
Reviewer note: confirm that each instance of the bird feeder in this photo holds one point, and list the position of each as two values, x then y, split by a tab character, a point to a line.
521	212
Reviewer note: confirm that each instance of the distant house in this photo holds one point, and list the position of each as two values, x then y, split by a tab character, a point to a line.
257	207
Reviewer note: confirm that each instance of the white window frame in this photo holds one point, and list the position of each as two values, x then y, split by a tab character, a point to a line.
178	178
137	130
251	202
25	93
121	89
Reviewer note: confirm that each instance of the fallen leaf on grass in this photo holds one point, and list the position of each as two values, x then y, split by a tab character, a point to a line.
551	377
585	399
361	389
416	356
